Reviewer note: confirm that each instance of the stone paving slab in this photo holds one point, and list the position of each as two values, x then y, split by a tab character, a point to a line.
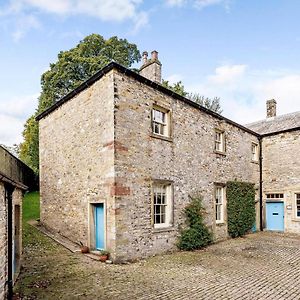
259	266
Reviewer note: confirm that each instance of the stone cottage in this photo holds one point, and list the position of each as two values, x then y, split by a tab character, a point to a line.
15	177
280	140
120	155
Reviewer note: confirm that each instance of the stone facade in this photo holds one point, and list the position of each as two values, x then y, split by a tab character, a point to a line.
281	170
77	164
99	148
3	243
16	237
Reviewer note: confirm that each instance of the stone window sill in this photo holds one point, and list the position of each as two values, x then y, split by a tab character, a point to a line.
220	223
161	137
296	219
255	162
163	229
220	153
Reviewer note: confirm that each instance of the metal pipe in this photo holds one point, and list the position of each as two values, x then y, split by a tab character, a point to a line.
260	185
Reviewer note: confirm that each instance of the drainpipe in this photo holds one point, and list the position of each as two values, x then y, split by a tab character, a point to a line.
8	196
260	185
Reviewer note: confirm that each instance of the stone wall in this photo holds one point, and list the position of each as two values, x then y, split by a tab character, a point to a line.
281	171
77	163
3	242
187	160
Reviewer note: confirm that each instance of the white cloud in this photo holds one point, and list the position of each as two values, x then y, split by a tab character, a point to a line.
199	4
13	114
175	2
244	91
174	78
23	25
105	10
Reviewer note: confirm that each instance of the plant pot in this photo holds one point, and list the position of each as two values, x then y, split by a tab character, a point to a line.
84	249
103	258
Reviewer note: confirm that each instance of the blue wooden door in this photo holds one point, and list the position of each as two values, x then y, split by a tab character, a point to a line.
275	216
99	225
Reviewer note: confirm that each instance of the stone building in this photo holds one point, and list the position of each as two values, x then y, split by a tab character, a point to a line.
280	138
15	177
120	155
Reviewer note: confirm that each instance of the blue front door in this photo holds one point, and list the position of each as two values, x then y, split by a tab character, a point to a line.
99	225
275	216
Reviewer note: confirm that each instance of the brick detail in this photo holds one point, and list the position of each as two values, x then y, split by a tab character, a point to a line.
119	190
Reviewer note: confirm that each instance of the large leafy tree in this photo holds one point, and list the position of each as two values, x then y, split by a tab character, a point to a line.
71	69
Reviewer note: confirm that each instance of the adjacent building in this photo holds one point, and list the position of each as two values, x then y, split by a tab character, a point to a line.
15	177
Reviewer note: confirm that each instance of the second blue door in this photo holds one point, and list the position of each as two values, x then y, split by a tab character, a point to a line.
99	226
275	216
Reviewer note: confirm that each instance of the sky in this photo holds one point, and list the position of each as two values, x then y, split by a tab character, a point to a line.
243	51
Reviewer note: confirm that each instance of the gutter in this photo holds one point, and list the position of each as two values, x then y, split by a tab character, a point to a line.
260	185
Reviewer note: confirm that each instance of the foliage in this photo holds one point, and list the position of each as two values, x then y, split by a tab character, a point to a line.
212	104
177	87
71	69
240	207
196	235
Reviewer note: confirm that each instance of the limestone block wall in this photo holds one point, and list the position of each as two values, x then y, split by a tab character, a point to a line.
77	163
188	160
281	171
3	243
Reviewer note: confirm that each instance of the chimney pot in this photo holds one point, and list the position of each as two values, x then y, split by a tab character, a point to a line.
145	57
271	108
154	55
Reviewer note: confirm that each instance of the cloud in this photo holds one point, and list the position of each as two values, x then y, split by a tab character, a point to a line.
244	91
199	4
176	2
174	78
105	10
23	25
13	114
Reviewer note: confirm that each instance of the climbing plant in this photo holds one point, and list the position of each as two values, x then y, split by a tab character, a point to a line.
240	207
196	235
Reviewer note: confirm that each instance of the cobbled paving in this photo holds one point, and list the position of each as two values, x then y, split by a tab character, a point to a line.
259	266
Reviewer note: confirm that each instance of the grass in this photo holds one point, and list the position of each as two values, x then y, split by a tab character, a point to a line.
31	206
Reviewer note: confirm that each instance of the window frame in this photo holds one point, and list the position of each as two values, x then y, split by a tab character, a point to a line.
168	186
221	142
255	154
166	123
297	198
220	204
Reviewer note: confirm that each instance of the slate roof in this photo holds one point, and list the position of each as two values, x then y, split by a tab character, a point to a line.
113	65
276	124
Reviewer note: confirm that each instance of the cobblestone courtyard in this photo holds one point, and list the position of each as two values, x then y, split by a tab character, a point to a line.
259	266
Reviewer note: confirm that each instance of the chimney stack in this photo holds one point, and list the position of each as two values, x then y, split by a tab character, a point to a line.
271	108
151	68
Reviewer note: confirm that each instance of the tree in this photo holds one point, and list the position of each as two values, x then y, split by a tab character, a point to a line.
212	104
178	87
72	68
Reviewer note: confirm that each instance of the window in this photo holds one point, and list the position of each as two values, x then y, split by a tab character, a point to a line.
162	205
160	122
273	196
254	150
219	201
219	141
298	205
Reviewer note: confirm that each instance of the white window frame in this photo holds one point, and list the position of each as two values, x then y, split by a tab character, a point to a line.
297	204
219	201
162	124
219	141
254	151
167	206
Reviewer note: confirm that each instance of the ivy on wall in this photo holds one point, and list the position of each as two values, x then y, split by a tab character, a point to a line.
240	207
196	235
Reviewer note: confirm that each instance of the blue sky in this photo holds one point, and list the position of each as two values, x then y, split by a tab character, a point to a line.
244	51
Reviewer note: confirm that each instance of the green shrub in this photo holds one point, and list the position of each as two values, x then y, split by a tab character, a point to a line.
240	207
196	235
